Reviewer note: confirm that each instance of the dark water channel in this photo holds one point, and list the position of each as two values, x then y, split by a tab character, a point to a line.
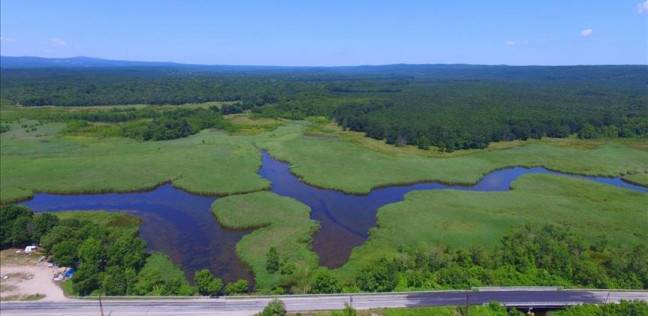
181	224
345	219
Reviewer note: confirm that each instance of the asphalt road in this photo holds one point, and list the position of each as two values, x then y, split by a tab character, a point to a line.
248	306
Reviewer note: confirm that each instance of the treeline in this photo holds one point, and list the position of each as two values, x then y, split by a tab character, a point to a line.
446	106
464	116
145	85
548	256
145	124
176	124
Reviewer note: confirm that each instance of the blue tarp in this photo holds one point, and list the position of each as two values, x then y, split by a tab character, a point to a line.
69	273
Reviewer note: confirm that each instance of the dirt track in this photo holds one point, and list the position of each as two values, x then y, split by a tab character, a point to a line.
25	280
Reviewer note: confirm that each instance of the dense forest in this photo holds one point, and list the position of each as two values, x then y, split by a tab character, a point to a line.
446	106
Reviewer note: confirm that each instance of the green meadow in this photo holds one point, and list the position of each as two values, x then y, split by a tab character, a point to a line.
464	219
211	162
280	222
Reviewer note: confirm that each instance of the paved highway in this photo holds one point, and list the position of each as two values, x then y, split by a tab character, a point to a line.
251	305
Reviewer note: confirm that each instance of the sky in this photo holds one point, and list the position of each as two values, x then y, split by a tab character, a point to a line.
330	33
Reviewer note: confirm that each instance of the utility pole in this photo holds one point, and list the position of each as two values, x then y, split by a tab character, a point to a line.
100	306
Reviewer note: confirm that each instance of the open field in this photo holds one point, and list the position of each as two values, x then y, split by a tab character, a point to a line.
281	222
463	219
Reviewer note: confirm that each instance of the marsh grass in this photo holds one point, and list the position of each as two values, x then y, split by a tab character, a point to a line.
337	163
464	219
279	222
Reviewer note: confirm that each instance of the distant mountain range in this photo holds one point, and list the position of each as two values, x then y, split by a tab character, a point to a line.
439	71
91	62
72	62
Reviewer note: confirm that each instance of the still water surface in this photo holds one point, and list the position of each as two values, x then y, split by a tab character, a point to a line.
181	224
345	218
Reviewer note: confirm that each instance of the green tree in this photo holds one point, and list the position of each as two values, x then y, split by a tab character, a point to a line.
287	267
624	308
56	235
379	277
423	142
64	253
159	276
272	260
91	253
274	308
43	223
21	231
16	226
206	283
325	282
86	279
238	287
115	282
128	251
588	131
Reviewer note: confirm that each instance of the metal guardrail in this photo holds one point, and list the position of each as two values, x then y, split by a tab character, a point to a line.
271	296
517	288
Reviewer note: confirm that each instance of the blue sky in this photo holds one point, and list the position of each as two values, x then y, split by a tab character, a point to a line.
352	32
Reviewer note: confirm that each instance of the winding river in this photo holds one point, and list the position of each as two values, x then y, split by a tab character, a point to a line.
181	224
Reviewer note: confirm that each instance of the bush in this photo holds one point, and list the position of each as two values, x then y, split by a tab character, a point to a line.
206	283
625	308
274	308
160	276
272	260
325	282
379	277
238	287
347	311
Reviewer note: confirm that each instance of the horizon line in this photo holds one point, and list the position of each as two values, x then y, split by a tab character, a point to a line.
313	66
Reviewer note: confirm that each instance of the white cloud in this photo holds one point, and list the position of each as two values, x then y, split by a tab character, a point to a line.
586	32
5	39
510	43
642	7
58	42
